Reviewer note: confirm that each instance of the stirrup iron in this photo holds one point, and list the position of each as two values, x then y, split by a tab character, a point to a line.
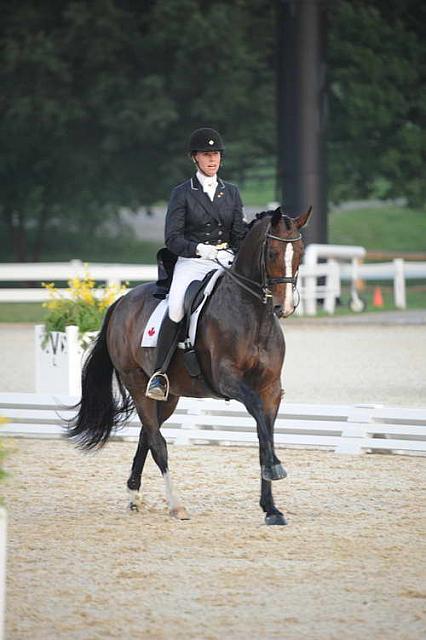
155	394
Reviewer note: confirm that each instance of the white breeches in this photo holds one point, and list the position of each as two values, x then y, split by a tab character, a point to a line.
187	270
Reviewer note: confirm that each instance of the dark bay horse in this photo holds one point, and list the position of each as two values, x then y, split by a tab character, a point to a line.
240	348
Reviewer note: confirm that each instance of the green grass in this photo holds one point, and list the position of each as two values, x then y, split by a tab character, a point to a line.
31	312
258	192
382	229
416	298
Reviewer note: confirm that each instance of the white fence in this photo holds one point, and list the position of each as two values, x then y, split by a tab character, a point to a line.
340	428
398	271
342	265
39	272
347	262
118	273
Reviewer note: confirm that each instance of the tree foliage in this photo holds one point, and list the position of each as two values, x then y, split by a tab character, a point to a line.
377	100
99	98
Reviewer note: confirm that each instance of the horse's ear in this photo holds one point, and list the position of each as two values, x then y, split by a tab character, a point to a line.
302	220
276	216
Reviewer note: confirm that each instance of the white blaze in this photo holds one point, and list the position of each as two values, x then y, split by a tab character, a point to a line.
288	272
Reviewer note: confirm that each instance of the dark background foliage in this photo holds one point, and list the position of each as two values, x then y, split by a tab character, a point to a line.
98	100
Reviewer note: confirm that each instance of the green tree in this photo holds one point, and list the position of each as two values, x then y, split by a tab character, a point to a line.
99	99
377	100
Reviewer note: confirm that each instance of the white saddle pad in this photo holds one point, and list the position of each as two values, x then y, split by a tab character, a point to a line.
150	335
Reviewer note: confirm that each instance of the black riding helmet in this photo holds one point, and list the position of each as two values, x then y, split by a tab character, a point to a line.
205	139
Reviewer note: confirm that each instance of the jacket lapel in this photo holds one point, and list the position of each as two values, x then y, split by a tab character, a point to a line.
204	200
219	195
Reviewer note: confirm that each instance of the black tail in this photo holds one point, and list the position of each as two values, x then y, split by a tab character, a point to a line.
99	411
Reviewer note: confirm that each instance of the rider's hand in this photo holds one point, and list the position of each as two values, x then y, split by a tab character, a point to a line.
206	251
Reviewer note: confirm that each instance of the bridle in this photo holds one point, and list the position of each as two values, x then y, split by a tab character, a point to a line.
264	293
283	279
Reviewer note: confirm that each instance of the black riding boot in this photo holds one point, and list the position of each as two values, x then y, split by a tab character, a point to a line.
158	385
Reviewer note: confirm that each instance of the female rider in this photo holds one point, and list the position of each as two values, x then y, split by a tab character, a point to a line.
203	217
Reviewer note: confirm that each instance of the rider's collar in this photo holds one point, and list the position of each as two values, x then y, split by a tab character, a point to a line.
206	182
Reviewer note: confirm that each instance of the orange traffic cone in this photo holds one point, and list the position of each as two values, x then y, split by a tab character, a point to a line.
378	298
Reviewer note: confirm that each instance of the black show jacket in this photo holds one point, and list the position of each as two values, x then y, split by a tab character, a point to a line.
193	218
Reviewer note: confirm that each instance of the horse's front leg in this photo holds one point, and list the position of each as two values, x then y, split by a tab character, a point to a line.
273	516
263	406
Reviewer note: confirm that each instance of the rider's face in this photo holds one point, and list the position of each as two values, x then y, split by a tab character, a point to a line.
208	162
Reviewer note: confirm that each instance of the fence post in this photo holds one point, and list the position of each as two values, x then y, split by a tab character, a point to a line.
310	301
399	284
332	286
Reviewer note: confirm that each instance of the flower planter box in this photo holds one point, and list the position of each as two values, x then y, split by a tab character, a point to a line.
59	357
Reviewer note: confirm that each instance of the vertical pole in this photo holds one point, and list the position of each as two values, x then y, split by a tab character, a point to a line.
399	295
301	111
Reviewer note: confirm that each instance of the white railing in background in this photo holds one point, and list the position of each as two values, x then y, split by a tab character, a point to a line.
39	272
341	428
398	270
334	254
317	280
348	261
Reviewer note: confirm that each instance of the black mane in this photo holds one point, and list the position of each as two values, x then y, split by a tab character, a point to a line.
276	213
260	216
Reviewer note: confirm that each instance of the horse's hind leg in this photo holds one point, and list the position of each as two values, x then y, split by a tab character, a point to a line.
134	481
159	452
152	414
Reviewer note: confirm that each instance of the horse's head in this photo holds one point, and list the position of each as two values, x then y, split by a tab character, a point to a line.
283	254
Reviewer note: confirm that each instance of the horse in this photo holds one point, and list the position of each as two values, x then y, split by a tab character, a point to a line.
240	348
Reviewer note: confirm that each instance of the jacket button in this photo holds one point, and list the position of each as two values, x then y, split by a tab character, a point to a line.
220	233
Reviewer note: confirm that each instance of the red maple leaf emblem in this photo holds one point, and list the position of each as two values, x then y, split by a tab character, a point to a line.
151	331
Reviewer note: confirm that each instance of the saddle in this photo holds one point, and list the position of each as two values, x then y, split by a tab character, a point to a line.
195	297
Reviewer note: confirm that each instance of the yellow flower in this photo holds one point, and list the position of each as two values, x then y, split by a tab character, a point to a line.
83	304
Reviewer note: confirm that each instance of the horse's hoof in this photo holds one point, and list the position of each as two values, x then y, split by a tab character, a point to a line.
275	519
275	472
180	513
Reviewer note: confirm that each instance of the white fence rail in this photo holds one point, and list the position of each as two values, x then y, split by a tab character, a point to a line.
342	264
341	428
397	270
39	272
120	273
348	262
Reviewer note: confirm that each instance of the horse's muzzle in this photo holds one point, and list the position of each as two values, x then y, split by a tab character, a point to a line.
278	310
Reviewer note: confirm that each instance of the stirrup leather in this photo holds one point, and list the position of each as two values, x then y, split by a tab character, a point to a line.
155	394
